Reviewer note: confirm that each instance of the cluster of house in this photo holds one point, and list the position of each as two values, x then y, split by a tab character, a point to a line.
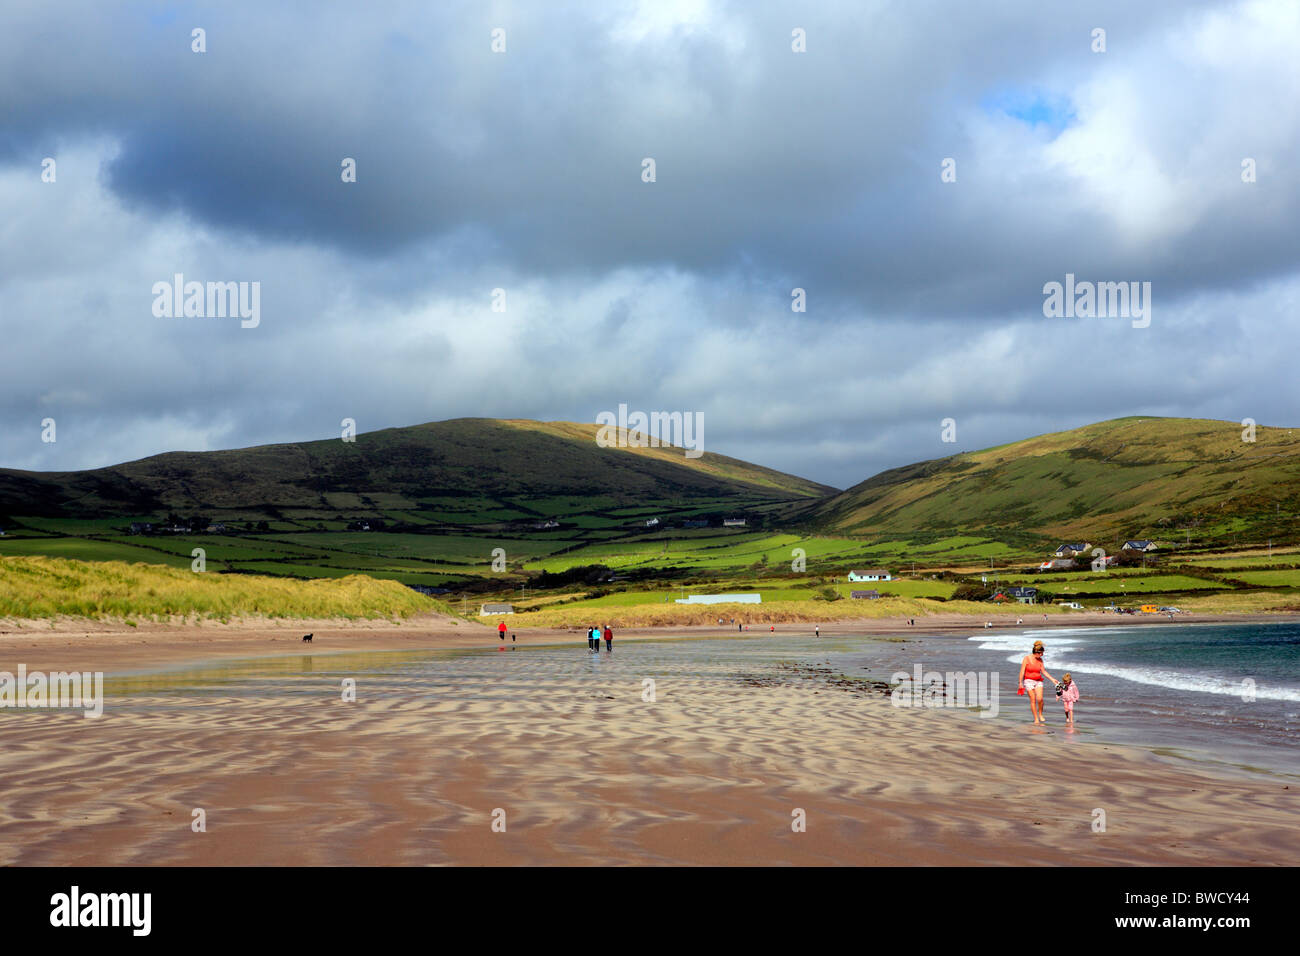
1066	554
695	523
147	527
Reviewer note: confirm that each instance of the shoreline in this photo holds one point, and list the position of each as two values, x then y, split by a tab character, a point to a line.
112	647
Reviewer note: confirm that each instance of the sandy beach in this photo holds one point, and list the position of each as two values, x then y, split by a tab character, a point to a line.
116	648
586	770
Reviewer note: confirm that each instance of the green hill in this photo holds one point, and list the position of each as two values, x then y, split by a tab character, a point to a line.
1160	478
399	469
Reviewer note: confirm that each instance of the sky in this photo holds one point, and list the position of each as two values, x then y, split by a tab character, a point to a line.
921	170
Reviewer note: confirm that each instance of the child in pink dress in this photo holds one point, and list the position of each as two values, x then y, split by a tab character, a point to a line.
1069	694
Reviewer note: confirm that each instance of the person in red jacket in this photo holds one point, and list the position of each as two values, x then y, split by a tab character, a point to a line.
609	640
501	630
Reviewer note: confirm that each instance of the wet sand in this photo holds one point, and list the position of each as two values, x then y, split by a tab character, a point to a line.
73	644
588	772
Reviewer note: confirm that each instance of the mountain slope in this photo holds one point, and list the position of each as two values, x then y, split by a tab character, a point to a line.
1130	477
395	468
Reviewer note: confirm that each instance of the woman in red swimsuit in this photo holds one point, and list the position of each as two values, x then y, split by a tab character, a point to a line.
1032	673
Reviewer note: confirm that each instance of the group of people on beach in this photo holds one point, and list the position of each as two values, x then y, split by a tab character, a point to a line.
594	634
1032	672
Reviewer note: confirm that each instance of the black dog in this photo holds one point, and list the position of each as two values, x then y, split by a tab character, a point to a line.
307	637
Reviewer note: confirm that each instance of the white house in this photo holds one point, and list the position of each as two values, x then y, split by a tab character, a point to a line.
1070	550
496	609
875	574
721	599
1056	564
733	522
652	523
1142	545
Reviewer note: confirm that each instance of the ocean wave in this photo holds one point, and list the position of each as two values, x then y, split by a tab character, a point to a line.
1176	680
1020	642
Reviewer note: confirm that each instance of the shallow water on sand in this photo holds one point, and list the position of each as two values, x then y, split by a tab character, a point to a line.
1178	689
661	752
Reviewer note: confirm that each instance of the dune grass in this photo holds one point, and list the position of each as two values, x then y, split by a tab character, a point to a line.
775	612
1241	602
43	587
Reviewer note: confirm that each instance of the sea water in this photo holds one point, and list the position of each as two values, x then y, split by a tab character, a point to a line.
1227	693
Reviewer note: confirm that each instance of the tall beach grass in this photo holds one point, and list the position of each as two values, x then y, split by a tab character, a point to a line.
773	612
42	587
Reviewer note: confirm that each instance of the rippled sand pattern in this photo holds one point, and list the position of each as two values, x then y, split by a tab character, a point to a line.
589	773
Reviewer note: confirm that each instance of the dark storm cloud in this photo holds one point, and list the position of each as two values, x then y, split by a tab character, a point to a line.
522	171
820	169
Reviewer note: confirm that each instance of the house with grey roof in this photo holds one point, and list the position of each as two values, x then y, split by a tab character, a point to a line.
1140	545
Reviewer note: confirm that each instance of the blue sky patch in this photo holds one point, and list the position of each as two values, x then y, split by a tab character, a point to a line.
1037	109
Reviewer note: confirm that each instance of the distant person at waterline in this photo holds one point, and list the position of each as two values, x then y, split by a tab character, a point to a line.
1032	672
609	640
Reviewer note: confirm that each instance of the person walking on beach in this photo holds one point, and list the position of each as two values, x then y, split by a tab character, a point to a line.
501	630
1032	672
591	638
817	631
1068	691
609	640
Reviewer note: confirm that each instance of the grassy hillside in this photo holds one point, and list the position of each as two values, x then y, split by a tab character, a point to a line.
409	469
1162	478
431	506
466	507
41	587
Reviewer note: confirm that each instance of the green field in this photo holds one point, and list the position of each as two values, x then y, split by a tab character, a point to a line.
709	551
1270	579
1279	557
88	549
1117	585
